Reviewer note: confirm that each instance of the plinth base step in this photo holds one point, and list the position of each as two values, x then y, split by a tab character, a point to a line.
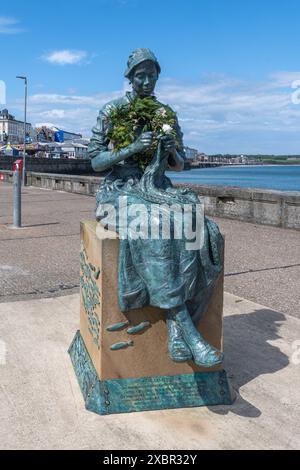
146	393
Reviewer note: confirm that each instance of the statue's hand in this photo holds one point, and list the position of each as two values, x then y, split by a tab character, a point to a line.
169	143
143	142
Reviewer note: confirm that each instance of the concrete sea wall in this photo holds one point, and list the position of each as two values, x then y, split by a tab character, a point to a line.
260	206
278	208
51	165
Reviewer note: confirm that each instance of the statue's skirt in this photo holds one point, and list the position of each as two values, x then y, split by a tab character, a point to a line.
170	253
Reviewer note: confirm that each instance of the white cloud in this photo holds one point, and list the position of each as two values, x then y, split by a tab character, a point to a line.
66	57
217	114
284	79
53	114
70	112
94	100
227	115
9	25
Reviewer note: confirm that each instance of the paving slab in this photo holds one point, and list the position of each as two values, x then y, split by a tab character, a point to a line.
41	406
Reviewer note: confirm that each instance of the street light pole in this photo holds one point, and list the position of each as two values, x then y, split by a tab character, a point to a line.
25	118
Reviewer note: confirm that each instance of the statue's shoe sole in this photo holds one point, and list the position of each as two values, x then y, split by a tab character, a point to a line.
180	357
210	364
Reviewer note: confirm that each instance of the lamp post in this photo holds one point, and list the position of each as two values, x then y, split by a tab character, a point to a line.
25	117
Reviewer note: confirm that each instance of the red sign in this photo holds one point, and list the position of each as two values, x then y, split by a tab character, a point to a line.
18	165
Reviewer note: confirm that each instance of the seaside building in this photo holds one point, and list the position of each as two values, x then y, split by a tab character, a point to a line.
75	150
49	133
12	130
72	150
190	153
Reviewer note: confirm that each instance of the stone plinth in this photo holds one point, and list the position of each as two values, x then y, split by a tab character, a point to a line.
144	365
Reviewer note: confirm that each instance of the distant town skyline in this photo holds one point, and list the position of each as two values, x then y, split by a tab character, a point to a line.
229	68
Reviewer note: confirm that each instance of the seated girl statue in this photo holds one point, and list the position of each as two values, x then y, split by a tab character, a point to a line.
138	139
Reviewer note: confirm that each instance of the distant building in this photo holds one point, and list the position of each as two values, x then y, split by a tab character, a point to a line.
12	130
75	150
47	133
44	134
202	157
62	150
70	135
190	153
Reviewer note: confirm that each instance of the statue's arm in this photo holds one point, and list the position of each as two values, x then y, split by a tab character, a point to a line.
177	157
98	150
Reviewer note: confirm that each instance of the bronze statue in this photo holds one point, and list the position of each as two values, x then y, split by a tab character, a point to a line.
161	272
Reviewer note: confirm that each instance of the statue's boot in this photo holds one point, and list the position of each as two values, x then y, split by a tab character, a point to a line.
178	349
204	354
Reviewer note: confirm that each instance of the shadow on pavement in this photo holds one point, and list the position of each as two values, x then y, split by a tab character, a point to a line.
262	269
248	354
41	225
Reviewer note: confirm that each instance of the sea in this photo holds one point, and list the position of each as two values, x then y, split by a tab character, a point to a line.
276	177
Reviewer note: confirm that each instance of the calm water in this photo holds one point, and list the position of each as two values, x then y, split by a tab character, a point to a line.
282	178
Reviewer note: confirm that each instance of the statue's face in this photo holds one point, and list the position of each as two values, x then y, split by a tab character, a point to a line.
144	78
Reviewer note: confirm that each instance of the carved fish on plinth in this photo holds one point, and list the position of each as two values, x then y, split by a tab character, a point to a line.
117	326
97	274
122	345
138	328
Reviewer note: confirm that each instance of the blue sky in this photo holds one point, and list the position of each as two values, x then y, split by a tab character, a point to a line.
228	66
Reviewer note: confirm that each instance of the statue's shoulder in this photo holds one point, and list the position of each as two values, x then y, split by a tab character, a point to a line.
122	101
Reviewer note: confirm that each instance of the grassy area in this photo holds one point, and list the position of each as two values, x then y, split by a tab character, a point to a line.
281	161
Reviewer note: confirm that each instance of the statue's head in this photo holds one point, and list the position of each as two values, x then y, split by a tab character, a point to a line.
142	71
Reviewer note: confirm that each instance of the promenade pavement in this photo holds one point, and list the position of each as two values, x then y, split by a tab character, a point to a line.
41	406
262	263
